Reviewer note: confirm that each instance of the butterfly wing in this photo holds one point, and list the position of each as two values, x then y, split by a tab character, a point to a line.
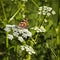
23	24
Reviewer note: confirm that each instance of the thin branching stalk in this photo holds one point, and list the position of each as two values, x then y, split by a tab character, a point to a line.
34	3
14	15
57	41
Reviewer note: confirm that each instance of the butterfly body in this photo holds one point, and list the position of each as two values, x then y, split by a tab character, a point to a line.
23	24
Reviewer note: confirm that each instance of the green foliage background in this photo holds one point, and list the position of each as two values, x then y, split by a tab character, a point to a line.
8	8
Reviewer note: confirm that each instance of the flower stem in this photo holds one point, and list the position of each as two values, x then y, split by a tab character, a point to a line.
7	58
6	39
34	3
28	57
57	41
15	14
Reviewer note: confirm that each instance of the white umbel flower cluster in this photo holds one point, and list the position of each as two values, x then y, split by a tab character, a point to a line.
20	39
37	29
18	32
10	36
8	27
45	10
28	49
26	33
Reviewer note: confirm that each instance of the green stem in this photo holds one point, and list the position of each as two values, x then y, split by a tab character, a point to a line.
28	57
34	3
14	15
17	49
57	41
7	45
36	37
57	37
6	39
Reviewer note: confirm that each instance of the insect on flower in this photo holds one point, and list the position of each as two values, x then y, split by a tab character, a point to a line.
24	23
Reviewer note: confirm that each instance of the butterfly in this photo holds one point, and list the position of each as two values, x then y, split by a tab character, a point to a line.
24	23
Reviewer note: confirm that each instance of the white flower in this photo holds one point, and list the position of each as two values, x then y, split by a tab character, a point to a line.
31	50
13	26
20	31
7	29
44	13
49	8
15	29
10	36
53	12
45	10
29	53
15	34
10	25
37	29
45	20
25	30
22	48
42	29
48	14
28	49
20	39
29	34
23	16
26	33
39	13
40	8
45	7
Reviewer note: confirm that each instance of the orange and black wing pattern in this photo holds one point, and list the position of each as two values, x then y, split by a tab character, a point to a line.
23	24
